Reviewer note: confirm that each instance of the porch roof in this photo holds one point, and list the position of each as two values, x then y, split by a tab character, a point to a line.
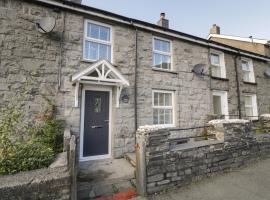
100	72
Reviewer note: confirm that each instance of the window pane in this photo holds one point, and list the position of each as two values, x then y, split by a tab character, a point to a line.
248	101
103	51
246	76
155	116
161	116
93	31
157	44
104	33
245	65
168	116
155	99
168	99
216	71
215	60
166	60
161	45
161	99
165	46
157	60
93	51
249	112
217	105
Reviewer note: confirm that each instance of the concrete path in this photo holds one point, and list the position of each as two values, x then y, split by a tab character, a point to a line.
250	183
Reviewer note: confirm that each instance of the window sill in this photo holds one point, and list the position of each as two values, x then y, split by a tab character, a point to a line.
87	61
250	83
219	78
164	70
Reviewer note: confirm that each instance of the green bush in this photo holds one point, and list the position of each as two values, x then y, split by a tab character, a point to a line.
27	144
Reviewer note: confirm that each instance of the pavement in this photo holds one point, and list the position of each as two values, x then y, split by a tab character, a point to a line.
249	183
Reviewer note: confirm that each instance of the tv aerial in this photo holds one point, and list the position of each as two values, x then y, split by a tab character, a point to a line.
45	25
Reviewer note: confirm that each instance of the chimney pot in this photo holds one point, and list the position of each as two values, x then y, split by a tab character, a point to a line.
215	29
162	21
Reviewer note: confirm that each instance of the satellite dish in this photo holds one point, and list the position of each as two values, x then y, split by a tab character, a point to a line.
267	72
199	69
45	25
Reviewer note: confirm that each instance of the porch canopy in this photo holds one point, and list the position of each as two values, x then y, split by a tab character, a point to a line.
101	72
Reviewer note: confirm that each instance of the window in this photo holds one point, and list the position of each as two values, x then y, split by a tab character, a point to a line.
217	65
251	106
163	107
97	41
220	103
162	54
247	67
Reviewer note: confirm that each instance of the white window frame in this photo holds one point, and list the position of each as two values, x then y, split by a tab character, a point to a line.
164	107
251	71
224	102
254	106
221	65
86	38
162	52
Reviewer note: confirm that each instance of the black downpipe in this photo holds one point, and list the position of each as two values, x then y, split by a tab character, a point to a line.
135	81
237	86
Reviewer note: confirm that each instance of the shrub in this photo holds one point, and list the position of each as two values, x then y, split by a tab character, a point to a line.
27	144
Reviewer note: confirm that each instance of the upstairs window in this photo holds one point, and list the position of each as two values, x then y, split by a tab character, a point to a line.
251	106
163	107
217	65
97	41
248	74
162	57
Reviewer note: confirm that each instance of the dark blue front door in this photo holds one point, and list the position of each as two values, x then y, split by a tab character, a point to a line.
96	123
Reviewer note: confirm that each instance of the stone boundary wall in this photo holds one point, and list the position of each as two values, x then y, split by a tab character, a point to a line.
58	181
166	166
37	184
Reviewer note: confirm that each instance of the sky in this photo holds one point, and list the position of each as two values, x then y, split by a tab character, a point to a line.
235	17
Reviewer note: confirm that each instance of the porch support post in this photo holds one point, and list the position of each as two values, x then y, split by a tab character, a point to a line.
77	86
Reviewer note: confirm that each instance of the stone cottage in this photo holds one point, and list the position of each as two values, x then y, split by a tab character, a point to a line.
109	74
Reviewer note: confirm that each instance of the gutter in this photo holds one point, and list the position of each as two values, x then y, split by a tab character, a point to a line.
150	27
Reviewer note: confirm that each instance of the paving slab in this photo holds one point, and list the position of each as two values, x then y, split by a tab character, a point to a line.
250	183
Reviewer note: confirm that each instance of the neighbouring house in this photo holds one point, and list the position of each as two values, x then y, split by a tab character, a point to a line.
260	46
110	74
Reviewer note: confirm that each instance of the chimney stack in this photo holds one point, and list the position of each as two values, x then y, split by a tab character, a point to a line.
215	29
162	21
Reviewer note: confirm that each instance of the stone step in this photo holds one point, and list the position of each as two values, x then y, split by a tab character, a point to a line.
131	158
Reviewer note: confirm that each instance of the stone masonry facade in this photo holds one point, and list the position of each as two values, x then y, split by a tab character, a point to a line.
46	62
168	166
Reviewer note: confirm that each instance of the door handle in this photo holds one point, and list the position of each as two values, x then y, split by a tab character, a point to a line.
96	126
107	120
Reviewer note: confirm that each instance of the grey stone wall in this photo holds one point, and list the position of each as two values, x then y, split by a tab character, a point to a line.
29	56
170	166
38	184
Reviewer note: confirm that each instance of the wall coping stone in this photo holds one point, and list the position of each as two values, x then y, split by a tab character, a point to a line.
196	144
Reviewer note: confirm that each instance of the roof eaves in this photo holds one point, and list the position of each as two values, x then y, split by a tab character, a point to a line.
148	26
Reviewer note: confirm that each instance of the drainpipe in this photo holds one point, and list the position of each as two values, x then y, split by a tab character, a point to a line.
237	85
135	80
60	51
